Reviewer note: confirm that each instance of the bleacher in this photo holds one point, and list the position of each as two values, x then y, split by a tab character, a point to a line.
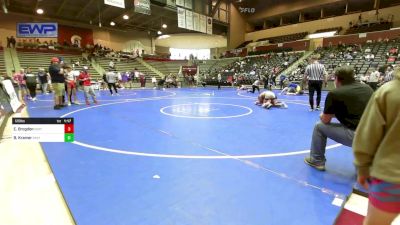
167	67
285	38
338	29
2	62
123	66
36	60
369	27
360	64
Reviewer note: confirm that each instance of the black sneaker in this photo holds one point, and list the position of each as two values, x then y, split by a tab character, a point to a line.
309	161
318	108
57	107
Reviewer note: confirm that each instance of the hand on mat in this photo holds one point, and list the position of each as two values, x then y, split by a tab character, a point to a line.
363	180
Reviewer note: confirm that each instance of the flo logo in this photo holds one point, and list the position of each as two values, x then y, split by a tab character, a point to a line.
247	10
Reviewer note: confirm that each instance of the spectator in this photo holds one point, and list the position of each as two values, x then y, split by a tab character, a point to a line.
43	80
112	79
19	79
57	80
347	103
374	79
84	77
31	81
376	151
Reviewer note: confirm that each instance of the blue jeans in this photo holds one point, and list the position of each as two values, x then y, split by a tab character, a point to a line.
322	132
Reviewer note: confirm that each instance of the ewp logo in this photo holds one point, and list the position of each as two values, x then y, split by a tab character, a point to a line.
37	30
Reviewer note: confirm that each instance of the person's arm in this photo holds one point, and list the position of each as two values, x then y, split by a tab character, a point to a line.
329	109
367	139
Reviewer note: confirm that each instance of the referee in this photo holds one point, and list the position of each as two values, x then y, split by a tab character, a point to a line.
316	75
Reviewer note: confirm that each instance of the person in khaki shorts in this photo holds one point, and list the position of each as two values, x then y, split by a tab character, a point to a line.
57	80
84	77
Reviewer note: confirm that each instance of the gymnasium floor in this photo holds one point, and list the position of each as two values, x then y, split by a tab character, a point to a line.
194	156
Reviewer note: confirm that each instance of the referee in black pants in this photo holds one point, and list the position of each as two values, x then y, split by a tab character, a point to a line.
316	75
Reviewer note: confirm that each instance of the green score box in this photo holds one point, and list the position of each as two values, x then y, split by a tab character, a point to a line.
68	137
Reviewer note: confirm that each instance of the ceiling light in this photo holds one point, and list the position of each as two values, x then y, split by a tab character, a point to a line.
159	32
112	23
126	17
39	11
164	26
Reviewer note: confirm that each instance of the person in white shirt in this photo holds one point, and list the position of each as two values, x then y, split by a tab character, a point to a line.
267	99
154	81
70	79
112	79
255	86
374	79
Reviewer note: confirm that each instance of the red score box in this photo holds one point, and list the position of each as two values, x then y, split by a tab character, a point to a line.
68	128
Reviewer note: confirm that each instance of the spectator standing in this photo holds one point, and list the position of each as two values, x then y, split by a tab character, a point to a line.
43	80
112	78
376	151
84	77
219	79
31	82
19	79
58	82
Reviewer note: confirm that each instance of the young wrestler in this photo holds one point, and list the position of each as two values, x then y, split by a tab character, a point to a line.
267	99
292	89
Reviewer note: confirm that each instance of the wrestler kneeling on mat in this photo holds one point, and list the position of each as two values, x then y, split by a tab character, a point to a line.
267	99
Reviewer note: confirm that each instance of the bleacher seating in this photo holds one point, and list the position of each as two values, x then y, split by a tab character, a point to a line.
369	27
123	66
244	44
36	60
285	38
333	57
167	67
2	62
338	29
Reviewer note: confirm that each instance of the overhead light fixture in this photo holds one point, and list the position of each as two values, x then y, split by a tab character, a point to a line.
159	32
112	23
126	17
164	26
39	11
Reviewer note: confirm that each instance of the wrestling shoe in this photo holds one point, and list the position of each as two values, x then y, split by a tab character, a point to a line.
318	108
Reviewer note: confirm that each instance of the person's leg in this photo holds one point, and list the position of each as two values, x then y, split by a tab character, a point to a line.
91	92
74	94
44	88
115	88
69	90
384	202
253	88
109	88
376	216
258	89
321	133
33	91
311	93
86	92
318	88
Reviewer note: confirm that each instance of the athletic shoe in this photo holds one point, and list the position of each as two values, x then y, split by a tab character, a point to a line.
309	161
318	108
112	94
57	107
117	94
69	103
76	103
311	109
34	99
284	106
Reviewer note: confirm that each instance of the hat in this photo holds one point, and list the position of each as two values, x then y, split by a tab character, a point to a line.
55	59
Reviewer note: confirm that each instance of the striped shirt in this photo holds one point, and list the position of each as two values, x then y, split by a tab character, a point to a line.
315	71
